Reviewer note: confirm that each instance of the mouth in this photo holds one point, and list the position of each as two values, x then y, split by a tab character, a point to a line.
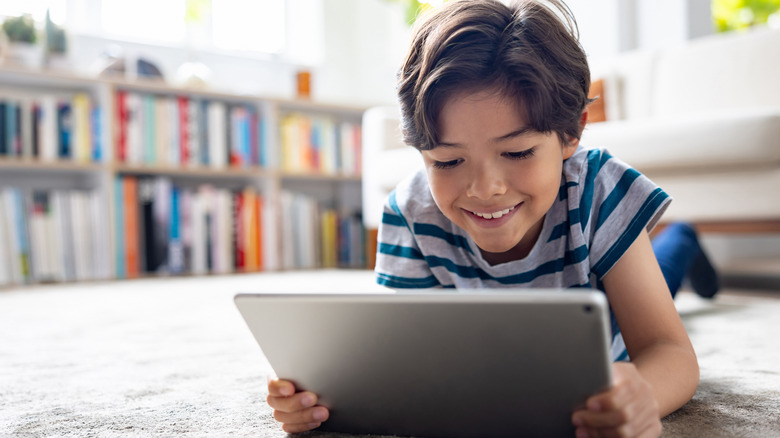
493	215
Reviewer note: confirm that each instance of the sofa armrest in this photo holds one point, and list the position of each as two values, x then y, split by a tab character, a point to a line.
386	160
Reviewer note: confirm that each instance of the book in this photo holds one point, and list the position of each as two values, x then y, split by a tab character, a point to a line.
147	229
135	137
6	276
239	235
132	235
163	137
64	226
149	129
184	131
175	244
41	244
217	136
83	233
97	133
81	131
119	228
200	232
120	123
100	231
161	211
47	128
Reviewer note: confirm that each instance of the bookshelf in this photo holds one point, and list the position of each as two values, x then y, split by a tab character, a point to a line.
110	179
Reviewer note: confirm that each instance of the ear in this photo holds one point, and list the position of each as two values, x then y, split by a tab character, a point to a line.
583	121
572	143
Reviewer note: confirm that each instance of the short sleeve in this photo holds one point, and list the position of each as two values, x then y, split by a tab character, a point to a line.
399	263
617	203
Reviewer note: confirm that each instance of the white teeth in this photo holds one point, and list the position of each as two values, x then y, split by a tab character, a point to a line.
494	215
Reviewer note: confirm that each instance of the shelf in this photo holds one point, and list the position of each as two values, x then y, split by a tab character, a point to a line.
33	165
195	172
138	211
308	176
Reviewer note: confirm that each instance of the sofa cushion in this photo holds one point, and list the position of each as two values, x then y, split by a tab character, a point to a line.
735	70
724	138
721	194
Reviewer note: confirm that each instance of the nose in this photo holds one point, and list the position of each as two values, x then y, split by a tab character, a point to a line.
486	182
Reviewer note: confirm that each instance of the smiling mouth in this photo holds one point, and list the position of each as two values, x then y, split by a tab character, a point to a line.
493	215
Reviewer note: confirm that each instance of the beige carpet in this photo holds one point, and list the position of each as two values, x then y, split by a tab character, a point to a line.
173	357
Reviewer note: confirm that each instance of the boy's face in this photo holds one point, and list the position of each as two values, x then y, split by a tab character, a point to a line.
492	175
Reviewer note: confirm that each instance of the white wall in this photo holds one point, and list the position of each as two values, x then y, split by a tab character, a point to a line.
364	45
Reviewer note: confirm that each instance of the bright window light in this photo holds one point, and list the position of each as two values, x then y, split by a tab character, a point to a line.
36	8
145	20
249	25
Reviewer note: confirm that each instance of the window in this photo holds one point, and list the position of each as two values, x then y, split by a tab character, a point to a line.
134	20
36	8
247	26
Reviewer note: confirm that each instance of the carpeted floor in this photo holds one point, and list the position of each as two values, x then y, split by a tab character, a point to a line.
173	357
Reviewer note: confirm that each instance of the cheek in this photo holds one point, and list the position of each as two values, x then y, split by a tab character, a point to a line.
540	181
443	189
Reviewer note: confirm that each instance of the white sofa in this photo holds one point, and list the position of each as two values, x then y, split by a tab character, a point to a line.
702	120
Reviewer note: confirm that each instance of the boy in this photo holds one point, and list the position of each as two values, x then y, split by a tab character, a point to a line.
495	99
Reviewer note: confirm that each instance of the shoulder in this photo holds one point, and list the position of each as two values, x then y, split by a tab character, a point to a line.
412	200
586	162
613	203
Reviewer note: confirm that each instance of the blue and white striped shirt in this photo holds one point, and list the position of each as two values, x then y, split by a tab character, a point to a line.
602	206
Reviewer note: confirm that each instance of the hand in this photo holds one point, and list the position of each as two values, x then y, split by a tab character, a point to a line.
628	409
296	411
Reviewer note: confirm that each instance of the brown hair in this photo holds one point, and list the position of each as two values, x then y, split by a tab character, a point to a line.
527	50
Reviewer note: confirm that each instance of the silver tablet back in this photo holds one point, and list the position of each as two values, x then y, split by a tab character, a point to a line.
439	364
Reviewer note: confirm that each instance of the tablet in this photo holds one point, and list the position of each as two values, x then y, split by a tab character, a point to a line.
439	364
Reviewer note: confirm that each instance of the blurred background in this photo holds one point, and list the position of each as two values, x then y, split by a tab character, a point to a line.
350	47
291	68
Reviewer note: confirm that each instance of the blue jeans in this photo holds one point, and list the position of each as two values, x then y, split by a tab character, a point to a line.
677	248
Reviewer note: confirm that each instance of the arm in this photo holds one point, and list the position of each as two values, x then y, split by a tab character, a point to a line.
663	373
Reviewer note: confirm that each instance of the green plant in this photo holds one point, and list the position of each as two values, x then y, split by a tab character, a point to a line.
730	15
414	8
20	29
56	41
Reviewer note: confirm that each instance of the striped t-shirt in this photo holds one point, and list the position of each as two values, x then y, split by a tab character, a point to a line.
602	206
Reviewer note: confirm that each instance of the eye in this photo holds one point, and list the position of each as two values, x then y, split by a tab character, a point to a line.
521	155
447	164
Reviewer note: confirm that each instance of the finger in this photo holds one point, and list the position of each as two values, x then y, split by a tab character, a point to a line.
317	414
645	422
280	388
590	419
295	428
634	411
619	395
297	402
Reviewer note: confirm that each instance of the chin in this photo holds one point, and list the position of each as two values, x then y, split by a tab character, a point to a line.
496	248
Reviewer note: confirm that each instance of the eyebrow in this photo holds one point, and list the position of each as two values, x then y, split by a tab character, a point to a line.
514	134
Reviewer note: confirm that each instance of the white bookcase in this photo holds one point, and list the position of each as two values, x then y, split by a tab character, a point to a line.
104	178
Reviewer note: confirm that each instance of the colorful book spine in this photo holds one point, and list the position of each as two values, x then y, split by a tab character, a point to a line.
175	244
132	250
119	226
150	129
184	131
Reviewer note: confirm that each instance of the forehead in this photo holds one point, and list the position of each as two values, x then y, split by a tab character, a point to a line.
486	112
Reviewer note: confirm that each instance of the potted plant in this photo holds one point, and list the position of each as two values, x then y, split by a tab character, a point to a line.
20	41
56	45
